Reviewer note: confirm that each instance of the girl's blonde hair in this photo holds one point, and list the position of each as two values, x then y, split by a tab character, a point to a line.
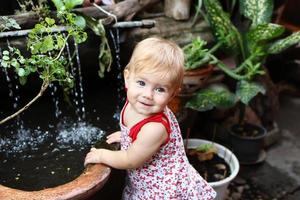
160	56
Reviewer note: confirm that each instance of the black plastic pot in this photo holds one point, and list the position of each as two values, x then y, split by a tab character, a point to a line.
247	147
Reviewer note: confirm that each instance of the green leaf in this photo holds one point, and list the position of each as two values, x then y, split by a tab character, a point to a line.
284	43
70	82
34	48
265	32
8	23
47	44
80	37
5	58
205	147
21	72
4	63
60	41
22	80
59	4
70	4
33	68
38	28
195	53
80	22
216	95
22	60
247	90
258	11
15	63
223	29
13	23
50	21
5	53
93	24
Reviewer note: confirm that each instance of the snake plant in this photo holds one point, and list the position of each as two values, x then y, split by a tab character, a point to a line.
249	46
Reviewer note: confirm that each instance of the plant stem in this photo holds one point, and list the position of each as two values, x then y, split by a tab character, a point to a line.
61	50
215	48
242	110
107	13
228	71
42	90
242	66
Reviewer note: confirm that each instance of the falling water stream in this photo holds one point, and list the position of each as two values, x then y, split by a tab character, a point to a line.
48	148
120	88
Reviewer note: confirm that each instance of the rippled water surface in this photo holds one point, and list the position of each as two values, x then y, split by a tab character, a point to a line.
44	151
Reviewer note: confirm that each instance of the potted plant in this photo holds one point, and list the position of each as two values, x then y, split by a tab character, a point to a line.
249	44
222	175
198	69
203	152
198	66
247	142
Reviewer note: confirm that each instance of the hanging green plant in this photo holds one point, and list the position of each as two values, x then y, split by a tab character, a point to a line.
46	48
105	56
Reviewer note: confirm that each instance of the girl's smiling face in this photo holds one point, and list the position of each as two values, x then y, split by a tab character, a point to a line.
147	93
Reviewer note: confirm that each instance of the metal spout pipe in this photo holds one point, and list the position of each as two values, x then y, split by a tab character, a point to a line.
130	24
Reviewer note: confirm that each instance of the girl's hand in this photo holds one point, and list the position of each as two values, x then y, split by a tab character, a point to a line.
94	156
114	137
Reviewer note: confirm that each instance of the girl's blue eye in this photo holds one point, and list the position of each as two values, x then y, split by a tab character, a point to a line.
141	83
161	90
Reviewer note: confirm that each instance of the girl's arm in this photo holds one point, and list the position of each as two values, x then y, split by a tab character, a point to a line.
148	142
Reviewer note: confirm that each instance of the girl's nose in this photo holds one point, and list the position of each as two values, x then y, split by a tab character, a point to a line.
148	93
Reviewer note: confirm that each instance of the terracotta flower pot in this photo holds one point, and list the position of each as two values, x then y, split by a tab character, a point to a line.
89	182
192	81
195	79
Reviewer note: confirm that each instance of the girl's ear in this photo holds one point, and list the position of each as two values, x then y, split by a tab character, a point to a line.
126	77
176	91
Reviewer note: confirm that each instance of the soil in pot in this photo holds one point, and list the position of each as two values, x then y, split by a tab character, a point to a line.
247	130
247	143
211	170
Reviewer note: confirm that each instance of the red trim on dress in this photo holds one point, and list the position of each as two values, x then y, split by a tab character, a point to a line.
159	117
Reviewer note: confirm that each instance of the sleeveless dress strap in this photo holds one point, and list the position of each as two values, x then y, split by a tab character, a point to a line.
160	117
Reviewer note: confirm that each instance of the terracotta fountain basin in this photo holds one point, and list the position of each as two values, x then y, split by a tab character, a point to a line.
90	181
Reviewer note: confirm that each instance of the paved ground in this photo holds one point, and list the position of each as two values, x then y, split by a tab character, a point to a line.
278	177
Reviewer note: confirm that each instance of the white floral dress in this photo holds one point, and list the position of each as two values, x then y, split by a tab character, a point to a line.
168	174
